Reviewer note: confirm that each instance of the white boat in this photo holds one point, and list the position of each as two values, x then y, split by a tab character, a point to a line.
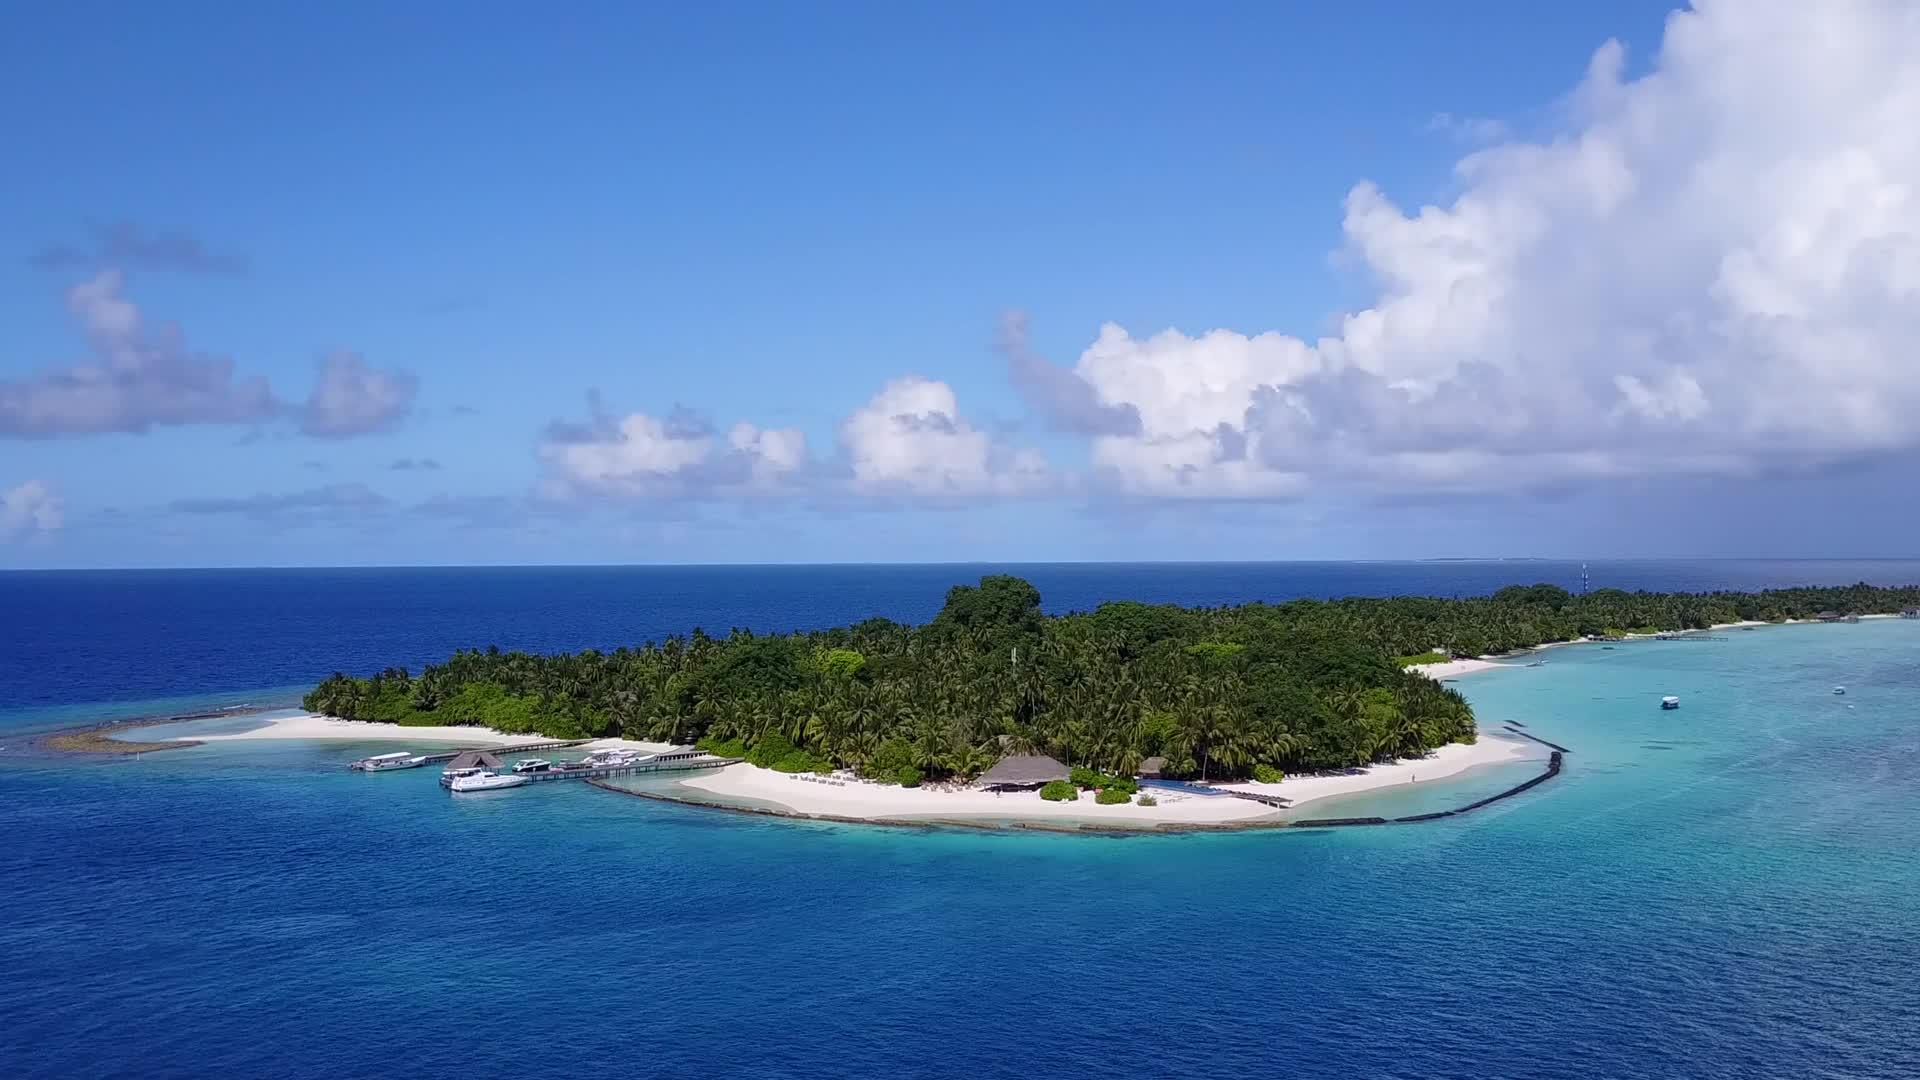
533	765
1669	702
448	776
1839	689
383	762
485	780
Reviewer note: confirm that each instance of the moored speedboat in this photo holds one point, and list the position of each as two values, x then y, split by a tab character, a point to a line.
383	762
484	780
533	765
1669	702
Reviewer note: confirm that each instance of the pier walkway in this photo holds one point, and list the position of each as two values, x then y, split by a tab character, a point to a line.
604	772
523	748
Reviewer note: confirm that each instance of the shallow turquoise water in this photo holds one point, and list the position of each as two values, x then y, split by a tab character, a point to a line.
1728	890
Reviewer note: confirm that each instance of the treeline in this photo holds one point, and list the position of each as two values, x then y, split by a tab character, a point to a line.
1304	685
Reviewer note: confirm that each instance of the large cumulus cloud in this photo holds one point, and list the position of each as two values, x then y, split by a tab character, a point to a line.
1711	268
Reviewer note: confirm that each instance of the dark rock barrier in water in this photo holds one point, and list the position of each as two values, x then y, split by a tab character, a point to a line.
1553	770
1514	729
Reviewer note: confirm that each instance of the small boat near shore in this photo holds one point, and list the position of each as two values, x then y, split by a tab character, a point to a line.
384	762
485	780
1669	702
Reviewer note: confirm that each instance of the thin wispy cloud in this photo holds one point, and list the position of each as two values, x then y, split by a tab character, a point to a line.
352	497
1468	129
128	243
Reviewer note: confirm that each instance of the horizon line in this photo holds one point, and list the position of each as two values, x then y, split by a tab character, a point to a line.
1438	559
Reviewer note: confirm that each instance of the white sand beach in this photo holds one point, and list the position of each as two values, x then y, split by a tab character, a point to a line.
1453	668
847	797
1449	760
314	726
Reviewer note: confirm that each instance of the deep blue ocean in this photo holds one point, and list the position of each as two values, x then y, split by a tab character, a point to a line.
1729	890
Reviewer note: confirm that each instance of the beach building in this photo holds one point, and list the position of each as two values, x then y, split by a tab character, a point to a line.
1152	768
1910	613
469	765
473	759
1024	771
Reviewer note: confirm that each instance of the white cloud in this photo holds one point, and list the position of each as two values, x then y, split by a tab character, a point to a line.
29	510
1467	129
142	376
642	455
910	439
772	454
1711	268
350	398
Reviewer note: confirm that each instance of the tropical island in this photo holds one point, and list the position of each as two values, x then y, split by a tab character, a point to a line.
1249	692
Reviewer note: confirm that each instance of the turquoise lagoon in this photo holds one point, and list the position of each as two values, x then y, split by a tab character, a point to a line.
1731	889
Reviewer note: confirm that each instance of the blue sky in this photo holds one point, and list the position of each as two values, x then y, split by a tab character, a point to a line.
515	281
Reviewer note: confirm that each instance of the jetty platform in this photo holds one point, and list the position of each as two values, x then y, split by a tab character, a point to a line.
523	748
604	772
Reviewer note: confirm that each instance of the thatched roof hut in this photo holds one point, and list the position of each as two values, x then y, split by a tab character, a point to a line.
474	759
1023	770
1152	767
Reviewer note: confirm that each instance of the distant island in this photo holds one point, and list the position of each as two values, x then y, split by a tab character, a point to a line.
1251	691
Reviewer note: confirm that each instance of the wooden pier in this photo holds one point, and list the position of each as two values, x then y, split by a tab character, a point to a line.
603	772
449	755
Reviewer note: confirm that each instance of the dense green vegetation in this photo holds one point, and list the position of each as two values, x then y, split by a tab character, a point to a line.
1292	687
1059	791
